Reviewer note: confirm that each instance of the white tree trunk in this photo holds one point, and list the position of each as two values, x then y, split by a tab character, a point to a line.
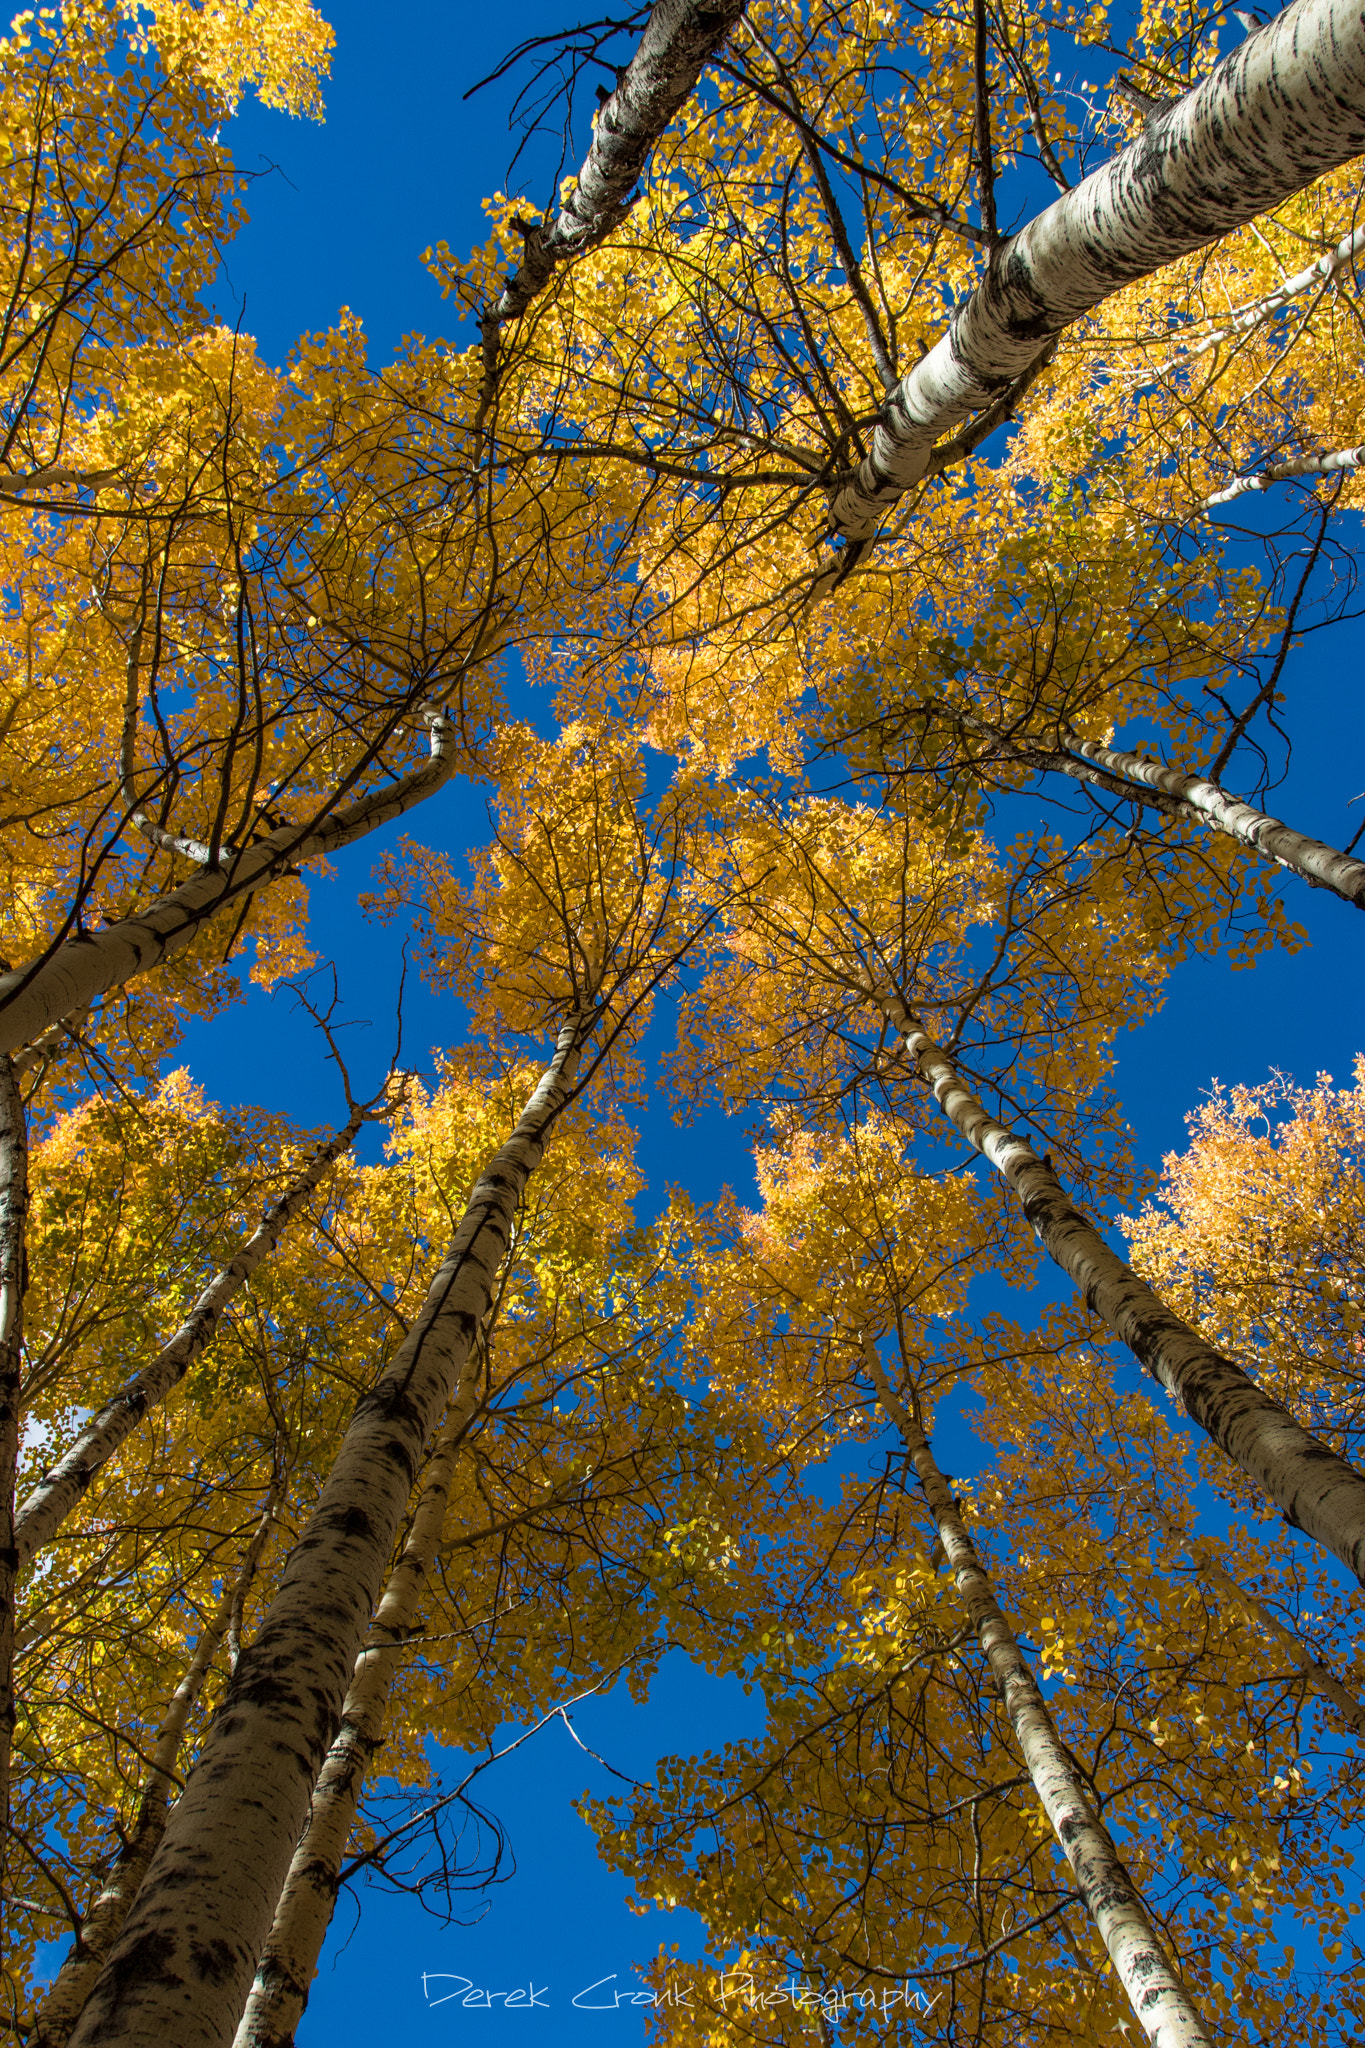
1282	109
1108	1893
679	37
1316	1490
1135	778
58	1491
1284	472
70	976
183	1967
289	1960
70	1988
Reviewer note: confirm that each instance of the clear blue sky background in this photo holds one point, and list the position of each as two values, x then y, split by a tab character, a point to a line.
400	163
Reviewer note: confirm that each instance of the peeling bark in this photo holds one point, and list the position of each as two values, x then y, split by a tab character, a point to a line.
13	1279
1316	1490
184	1964
1108	1893
1282	109
58	1491
73	974
71	1987
289	1960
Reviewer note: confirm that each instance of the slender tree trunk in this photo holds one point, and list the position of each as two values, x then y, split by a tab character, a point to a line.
71	1987
58	1491
1139	780
678	39
1110	1897
289	1960
71	975
1282	109
13	1280
1286	472
1317	1491
183	1967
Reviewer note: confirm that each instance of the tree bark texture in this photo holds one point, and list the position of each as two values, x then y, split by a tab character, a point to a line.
58	1491
1282	109
1140	780
1316	1490
1342	459
679	37
13	1276
1108	1893
183	1967
289	1960
71	1987
72	975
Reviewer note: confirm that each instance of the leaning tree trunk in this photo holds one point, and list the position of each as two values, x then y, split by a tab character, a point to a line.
1108	1893
1285	107
70	976
13	1276
289	1960
183	1968
71	1987
1136	779
58	1491
1317	1491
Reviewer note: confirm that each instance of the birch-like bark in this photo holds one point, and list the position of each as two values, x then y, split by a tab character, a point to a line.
13	1277
184	1964
289	1960
74	974
1247	318
70	1988
1284	472
58	1491
680	36
1316	1490
1283	108
1108	1893
1134	777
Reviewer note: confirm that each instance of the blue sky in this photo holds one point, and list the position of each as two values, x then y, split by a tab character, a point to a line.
342	219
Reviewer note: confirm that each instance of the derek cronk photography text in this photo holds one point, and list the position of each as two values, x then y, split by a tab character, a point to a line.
730	1991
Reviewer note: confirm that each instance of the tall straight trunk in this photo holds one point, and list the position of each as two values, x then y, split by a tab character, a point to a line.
289	1960
58	1491
1108	1893
71	1987
183	1967
13	1279
1140	780
1285	107
73	974
1317	1491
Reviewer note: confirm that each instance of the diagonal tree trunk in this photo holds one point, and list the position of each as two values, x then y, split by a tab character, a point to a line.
13	1279
1282	109
289	1960
679	37
1110	1897
1139	780
70	1988
1285	472
1316	1490
183	1967
71	975
58	1491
